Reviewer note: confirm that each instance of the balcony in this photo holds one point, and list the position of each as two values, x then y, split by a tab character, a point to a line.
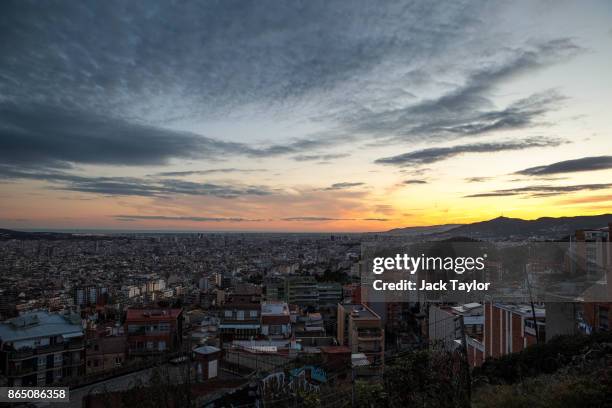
22	371
369	350
369	335
74	345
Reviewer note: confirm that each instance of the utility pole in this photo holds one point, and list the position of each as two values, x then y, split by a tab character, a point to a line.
533	313
466	362
353	402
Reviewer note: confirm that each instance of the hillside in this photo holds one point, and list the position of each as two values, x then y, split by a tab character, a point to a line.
504	227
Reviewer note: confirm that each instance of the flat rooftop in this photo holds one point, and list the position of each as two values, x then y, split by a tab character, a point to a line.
360	312
40	324
274	309
524	310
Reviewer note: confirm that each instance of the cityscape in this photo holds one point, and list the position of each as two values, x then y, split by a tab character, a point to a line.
246	319
261	204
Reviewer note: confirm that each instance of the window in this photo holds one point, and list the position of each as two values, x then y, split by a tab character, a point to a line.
240	315
228	313
253	313
135	328
603	319
164	327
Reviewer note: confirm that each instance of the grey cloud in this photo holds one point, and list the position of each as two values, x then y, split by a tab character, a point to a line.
342	186
35	135
435	154
132	186
205	172
414	182
141	68
467	109
187	218
203	57
317	157
570	166
543	190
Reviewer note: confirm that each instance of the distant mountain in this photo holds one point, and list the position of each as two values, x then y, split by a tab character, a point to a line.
11	234
504	227
542	227
432	229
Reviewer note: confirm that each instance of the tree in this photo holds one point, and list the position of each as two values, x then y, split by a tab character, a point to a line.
427	379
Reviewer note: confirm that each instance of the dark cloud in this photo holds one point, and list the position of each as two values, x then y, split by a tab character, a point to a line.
196	57
133	186
35	135
89	83
205	172
188	218
436	154
414	182
342	186
542	190
570	166
467	110
317	157
538	178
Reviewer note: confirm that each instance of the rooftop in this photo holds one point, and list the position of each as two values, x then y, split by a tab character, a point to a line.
206	350
40	324
360	312
274	308
524	310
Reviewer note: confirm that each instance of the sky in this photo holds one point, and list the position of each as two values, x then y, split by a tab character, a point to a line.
302	116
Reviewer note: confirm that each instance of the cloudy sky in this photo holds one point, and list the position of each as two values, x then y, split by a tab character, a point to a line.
302	116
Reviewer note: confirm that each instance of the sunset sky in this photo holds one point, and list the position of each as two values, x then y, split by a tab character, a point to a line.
302	116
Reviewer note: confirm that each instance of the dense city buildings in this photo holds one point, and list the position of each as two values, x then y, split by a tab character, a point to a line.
216	307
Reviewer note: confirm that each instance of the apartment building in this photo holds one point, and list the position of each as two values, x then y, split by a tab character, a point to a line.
41	348
275	320
591	253
239	321
510	328
105	349
362	331
447	324
301	290
153	331
329	294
